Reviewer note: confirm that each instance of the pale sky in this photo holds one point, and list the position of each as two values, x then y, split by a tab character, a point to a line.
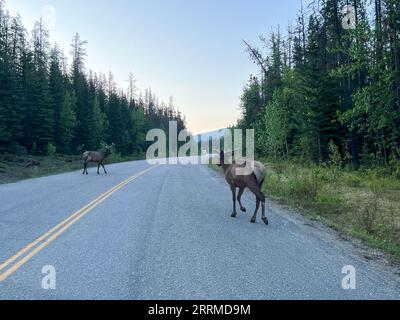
191	50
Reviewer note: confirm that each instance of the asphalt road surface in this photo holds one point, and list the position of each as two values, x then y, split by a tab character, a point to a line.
165	232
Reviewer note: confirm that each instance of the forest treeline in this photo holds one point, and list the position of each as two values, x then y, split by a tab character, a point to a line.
48	106
329	88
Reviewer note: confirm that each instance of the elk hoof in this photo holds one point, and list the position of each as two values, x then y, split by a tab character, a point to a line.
233	215
265	221
253	220
243	209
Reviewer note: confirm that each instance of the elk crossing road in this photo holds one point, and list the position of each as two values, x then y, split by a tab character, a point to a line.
165	232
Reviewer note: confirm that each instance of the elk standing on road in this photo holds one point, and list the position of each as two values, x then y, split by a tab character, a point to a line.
97	157
254	182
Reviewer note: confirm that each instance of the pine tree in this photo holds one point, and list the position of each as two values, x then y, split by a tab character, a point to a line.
39	120
57	94
251	103
12	42
99	119
132	90
85	135
67	123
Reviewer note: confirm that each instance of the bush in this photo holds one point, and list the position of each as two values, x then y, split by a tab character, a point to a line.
327	174
115	157
3	167
368	214
51	150
334	155
303	188
395	168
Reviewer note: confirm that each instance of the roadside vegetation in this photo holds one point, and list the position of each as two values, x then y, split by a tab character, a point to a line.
14	168
364	203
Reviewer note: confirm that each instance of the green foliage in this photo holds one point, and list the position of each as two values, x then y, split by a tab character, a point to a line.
322	83
51	150
251	103
115	157
335	158
67	124
275	128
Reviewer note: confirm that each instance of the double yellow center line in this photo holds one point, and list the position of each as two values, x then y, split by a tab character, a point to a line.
27	253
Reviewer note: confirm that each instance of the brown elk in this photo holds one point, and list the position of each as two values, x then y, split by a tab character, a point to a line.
253	181
97	157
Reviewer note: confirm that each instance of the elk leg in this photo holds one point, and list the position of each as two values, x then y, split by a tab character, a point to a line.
254	219
260	198
98	168
105	171
264	217
241	190
85	168
234	213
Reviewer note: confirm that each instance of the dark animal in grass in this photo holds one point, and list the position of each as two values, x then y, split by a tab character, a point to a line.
97	157
253	181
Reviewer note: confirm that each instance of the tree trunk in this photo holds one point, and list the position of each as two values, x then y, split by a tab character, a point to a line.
378	30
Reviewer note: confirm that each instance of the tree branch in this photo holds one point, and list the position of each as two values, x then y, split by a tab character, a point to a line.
256	55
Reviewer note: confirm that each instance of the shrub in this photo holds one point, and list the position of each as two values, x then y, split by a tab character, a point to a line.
115	157
303	188
368	213
335	159
51	150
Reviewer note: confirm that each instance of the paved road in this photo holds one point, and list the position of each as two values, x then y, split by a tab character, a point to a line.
167	234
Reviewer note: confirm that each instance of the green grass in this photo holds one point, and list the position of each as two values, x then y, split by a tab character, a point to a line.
16	168
364	204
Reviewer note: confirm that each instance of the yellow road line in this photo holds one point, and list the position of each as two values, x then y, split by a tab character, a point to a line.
51	235
48	233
